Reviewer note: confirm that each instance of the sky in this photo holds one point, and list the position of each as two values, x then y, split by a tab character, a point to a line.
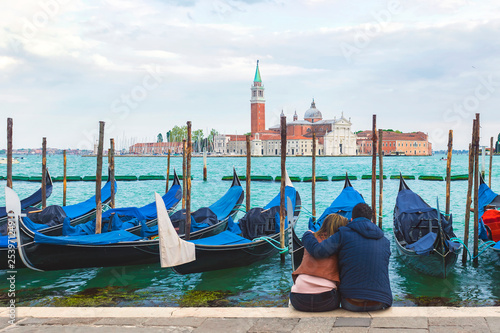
146	66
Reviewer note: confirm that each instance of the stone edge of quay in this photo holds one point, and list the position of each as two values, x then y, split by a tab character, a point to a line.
241	312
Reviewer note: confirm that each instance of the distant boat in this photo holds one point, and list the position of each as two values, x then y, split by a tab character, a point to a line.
3	160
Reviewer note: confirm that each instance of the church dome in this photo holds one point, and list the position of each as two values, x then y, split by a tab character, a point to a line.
313	113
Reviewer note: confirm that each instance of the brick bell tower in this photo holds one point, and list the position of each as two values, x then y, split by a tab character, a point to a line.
258	104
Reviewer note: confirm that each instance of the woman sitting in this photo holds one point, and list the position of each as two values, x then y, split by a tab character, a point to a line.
316	280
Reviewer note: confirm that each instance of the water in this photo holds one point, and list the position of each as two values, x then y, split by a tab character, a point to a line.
262	284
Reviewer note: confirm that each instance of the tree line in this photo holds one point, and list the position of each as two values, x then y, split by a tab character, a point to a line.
200	142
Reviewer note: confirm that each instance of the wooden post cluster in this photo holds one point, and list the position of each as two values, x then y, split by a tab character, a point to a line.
381	177
282	189
491	161
188	182
184	154
111	163
9	152
64	177
374	169
98	179
168	171
448	172
44	173
476	190
313	183
248	174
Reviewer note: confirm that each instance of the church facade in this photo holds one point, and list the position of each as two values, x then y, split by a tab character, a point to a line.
334	135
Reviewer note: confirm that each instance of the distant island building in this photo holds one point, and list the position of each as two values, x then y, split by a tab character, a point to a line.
396	143
155	148
334	135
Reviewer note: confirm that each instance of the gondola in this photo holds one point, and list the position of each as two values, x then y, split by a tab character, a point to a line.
77	214
342	205
259	240
489	215
113	248
32	202
422	235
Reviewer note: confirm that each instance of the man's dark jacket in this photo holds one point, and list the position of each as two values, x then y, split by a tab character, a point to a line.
363	259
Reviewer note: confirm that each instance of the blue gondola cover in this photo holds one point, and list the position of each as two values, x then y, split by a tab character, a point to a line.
111	237
82	208
342	205
224	238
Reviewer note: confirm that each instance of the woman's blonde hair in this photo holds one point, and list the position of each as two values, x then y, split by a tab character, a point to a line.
331	225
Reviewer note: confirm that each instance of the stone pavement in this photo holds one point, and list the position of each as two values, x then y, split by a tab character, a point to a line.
254	320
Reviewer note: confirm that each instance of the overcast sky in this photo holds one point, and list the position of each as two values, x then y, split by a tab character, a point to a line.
145	66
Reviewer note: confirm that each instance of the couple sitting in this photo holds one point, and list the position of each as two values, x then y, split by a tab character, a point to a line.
344	262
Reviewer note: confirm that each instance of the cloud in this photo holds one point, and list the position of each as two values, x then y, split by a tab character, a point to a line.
90	62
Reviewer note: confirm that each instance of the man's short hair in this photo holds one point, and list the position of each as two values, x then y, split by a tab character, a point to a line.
362	210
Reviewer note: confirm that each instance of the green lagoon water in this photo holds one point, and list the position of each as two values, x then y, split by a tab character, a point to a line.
262	284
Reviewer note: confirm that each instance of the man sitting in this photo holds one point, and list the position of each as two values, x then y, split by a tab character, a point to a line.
363	261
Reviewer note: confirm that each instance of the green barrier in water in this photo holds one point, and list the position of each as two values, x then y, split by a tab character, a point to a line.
404	177
93	178
262	178
341	178
370	177
2	178
292	178
459	177
318	179
126	178
231	177
171	177
35	179
152	177
435	178
68	178
22	178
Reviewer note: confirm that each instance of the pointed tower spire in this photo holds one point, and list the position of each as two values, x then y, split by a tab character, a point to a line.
258	104
257	74
295	116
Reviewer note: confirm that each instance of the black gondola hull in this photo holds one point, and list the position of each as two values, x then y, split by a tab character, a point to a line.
297	251
49	257
210	258
433	264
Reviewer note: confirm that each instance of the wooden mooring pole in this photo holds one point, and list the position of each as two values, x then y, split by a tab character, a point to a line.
111	163
44	173
188	182
374	169
491	161
381	177
483	161
476	191
98	178
64	177
205	171
184	149
469	194
313	182
168	171
248	174
9	152
448	172
282	189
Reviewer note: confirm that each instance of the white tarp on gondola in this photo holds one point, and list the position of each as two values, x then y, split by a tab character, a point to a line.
173	250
